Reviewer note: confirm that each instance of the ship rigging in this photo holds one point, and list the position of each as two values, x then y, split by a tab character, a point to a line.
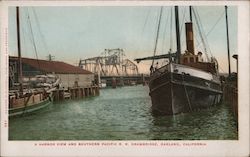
23	97
186	82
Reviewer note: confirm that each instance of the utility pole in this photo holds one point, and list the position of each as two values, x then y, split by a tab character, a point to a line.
228	49
50	57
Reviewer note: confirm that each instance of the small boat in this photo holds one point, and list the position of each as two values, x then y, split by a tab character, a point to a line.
186	83
22	97
133	83
29	102
67	95
103	84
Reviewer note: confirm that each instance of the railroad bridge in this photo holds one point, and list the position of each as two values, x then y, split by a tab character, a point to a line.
112	66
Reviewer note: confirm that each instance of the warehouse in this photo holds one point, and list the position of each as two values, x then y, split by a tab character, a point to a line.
70	76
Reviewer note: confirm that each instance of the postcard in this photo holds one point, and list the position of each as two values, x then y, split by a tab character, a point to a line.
124	78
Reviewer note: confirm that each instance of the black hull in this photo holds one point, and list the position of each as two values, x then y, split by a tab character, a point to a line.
173	93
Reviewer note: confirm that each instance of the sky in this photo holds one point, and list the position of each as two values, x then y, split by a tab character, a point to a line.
80	32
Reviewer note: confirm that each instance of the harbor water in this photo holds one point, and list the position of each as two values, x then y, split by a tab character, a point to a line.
121	114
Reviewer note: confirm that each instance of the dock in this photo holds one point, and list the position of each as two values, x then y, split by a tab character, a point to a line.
230	95
125	80
75	93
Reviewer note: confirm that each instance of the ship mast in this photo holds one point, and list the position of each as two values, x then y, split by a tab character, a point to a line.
157	35
228	49
20	72
190	13
189	33
178	53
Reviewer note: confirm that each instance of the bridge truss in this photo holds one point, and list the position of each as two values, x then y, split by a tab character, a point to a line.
110	63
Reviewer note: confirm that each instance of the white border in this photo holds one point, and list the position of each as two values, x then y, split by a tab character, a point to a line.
213	148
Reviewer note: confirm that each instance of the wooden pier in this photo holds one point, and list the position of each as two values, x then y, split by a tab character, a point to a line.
113	81
230	96
75	93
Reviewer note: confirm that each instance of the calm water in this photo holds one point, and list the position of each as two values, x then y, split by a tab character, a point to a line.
121	114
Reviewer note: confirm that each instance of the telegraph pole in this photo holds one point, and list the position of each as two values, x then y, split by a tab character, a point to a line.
228	49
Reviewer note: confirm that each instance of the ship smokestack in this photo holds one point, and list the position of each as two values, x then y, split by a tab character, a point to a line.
189	37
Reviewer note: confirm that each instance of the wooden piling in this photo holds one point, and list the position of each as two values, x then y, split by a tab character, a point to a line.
72	93
61	95
93	91
84	92
76	93
230	97
87	92
113	82
90	92
56	95
97	90
79	93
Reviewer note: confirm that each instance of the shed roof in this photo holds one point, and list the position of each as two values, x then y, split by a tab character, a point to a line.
52	66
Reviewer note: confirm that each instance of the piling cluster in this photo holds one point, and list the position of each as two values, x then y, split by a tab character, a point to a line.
75	93
118	81
230	96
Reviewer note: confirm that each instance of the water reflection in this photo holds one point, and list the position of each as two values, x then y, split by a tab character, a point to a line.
209	124
121	114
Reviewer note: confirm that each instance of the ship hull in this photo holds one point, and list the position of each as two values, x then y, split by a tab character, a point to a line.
29	109
174	92
28	103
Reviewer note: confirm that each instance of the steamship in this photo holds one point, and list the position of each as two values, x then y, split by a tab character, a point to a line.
186	83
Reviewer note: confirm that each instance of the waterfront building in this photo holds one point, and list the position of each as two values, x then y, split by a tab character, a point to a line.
70	76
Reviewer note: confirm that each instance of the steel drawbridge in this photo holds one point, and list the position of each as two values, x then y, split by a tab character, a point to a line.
112	66
110	63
